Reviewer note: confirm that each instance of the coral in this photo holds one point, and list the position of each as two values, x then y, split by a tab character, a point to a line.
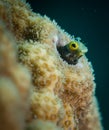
42	125
15	85
44	91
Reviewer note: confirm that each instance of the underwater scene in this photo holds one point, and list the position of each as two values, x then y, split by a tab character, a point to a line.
54	65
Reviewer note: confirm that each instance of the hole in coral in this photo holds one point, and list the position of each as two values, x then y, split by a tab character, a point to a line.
66	55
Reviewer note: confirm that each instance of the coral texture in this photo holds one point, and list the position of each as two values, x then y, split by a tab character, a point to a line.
38	89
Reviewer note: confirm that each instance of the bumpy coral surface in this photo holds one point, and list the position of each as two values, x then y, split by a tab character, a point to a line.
38	89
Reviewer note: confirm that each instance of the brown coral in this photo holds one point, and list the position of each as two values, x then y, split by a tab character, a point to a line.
62	95
15	85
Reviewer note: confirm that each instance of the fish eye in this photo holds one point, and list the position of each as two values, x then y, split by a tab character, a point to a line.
73	45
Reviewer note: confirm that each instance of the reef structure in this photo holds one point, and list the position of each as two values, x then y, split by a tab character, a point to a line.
39	90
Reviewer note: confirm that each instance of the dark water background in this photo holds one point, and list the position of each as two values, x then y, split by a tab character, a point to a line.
90	21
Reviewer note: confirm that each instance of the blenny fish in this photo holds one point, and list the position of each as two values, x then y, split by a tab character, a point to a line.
72	51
